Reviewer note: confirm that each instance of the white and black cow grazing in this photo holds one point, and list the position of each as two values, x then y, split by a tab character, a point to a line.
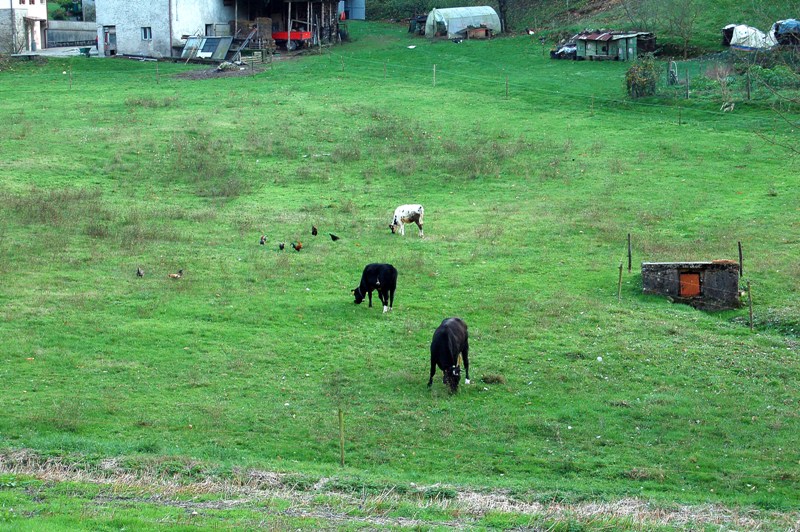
449	340
380	277
406	214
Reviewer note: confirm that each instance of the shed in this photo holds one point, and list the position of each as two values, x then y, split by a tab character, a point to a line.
355	9
747	38
710	285
455	21
787	32
616	45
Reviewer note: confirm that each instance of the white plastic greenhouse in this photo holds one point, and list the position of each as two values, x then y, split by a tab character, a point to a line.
453	21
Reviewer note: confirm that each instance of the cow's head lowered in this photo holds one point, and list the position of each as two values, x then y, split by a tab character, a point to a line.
452	376
395	225
358	294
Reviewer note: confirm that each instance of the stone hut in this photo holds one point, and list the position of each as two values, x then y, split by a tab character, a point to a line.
704	285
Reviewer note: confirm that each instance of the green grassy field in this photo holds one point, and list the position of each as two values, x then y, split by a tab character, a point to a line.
243	363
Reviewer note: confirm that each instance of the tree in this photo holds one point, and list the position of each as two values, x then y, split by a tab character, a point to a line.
681	17
502	7
782	81
643	14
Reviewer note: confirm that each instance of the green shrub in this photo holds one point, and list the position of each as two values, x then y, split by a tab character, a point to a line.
59	14
779	76
641	77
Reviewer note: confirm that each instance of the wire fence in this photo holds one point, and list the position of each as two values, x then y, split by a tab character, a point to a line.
697	91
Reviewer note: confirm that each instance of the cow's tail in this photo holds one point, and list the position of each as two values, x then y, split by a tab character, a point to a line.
460	360
454	348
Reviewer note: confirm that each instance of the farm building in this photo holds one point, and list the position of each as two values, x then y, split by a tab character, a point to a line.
455	22
705	285
353	9
22	26
616	45
71	33
162	29
747	38
787	32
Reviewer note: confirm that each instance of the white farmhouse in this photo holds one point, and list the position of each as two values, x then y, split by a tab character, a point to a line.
161	28
22	25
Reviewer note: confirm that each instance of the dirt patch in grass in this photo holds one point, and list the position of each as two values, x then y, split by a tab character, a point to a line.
326	500
212	72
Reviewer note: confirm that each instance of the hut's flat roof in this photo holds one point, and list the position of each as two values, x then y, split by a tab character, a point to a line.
689	264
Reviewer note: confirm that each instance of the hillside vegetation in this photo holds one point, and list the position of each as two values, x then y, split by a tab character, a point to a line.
532	173
556	19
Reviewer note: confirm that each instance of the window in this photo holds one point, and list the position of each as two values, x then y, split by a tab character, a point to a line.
147	33
211	44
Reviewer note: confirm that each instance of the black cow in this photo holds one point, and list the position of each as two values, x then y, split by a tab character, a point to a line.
380	277
450	339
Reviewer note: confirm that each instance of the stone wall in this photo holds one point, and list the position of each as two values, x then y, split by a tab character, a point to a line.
12	34
719	282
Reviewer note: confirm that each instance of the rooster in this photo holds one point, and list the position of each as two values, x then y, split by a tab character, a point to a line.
314	230
281	246
139	272
263	240
176	275
297	246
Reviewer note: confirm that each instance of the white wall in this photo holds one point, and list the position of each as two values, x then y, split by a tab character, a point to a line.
189	17
26	36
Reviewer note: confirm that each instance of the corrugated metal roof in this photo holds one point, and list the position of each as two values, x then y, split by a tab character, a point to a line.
608	35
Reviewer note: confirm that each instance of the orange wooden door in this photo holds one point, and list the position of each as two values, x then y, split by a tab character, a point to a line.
690	284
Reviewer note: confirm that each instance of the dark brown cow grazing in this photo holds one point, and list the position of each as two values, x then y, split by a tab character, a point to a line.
380	277
449	340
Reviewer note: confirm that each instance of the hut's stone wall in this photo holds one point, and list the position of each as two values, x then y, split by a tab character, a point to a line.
719	282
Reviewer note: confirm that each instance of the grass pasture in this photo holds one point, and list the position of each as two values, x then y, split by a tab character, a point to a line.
242	364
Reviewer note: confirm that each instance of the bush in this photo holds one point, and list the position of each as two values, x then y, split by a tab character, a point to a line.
780	76
641	77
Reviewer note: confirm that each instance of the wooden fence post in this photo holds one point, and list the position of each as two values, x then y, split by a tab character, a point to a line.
687	82
619	284
748	86
629	253
740	259
341	437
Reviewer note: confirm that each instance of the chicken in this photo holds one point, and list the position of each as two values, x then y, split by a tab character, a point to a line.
281	246
139	272
263	240
314	230
334	237
176	275
297	246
